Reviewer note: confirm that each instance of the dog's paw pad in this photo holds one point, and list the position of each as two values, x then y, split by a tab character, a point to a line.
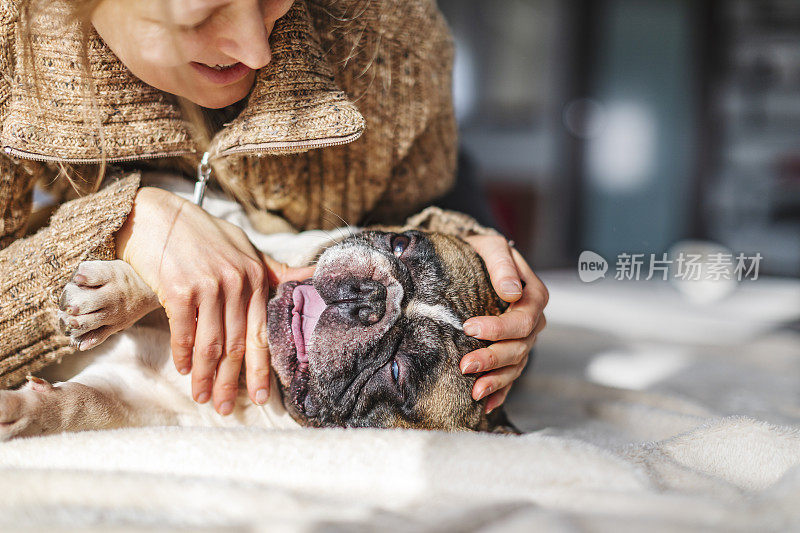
91	300
102	298
81	324
95	273
80	300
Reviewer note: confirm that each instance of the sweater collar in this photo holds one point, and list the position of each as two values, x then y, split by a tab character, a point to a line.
295	104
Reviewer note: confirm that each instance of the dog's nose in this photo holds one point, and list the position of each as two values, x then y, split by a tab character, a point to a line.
363	301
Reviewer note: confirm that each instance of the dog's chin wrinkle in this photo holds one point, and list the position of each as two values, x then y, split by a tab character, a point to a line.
391	349
349	398
357	394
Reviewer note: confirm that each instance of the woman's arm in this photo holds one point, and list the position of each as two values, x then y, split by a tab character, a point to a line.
34	270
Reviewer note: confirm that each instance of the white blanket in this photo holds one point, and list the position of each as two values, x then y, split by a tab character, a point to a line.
697	433
670	456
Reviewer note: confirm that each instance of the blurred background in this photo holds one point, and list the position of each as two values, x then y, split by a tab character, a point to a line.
629	125
643	126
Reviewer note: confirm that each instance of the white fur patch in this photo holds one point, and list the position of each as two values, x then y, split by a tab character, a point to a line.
439	313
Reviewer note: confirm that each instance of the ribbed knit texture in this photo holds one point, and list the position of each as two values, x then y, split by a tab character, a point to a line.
371	77
445	221
34	270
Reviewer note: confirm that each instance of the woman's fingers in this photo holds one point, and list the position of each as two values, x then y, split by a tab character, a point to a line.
257	350
496	399
496	254
257	357
495	356
497	379
513	333
515	323
208	347
518	322
226	382
522	317
540	325
182	314
278	272
216	300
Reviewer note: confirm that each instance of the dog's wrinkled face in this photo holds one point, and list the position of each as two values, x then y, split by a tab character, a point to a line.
374	339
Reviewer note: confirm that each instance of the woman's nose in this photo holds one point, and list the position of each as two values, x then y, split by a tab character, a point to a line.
246	38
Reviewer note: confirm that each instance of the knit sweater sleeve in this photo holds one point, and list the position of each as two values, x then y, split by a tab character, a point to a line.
35	269
445	221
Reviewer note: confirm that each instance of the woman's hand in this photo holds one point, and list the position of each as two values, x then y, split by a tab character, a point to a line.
514	332
214	287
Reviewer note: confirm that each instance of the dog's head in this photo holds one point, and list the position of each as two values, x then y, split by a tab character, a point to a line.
374	339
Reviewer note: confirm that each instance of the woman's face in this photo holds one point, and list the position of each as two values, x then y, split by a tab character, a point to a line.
206	51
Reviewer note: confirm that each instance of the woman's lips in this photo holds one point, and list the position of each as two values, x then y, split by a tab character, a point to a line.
225	76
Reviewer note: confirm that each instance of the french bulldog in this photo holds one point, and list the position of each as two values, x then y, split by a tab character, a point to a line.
373	339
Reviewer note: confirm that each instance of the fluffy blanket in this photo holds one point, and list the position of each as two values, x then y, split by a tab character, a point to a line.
709	443
643	412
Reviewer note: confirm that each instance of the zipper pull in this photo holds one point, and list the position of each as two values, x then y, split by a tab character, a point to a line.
203	175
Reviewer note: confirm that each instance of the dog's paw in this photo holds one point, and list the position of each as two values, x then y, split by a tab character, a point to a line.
102	298
21	411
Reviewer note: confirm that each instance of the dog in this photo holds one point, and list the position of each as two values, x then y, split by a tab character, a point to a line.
373	339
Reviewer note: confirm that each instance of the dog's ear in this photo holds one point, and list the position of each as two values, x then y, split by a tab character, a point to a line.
498	422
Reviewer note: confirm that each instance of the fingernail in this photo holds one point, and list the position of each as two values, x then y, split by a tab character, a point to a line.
184	370
485	392
489	410
72	310
511	287
261	396
226	408
80	279
471	368
473	330
74	322
203	397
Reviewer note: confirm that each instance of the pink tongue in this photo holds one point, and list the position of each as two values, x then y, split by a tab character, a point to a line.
308	306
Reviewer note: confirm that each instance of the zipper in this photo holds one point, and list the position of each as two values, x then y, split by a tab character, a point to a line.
254	148
281	146
22	154
204	169
203	175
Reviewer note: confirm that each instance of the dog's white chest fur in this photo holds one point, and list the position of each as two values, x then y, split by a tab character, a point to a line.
137	365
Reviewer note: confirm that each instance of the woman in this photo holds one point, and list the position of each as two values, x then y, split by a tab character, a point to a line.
319	111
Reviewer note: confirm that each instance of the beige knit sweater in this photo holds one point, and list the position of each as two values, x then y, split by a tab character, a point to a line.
351	119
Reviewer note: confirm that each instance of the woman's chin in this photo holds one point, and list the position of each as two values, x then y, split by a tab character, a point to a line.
215	97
